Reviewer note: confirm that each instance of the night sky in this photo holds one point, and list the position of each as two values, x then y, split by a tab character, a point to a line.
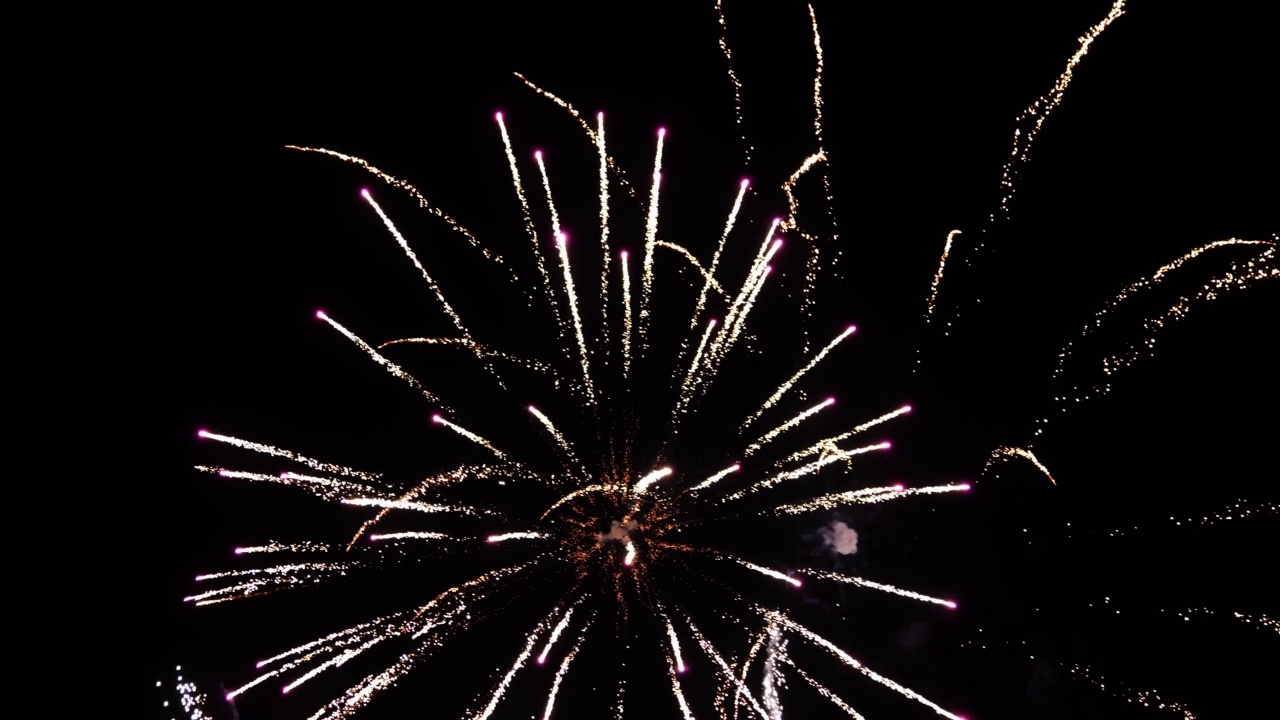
185	299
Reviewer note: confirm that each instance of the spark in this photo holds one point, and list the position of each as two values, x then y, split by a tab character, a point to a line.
440	420
391	367
650	236
791	381
560	673
515	536
651	478
878	586
715	478
787	426
771	573
562	242
1025	454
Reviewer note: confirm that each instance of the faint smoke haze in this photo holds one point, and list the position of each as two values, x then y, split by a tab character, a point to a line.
840	537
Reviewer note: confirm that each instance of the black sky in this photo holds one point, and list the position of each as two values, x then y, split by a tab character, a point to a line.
183	299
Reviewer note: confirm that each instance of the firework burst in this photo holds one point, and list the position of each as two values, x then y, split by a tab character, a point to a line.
639	408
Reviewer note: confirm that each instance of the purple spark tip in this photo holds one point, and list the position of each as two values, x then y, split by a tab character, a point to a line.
542	661
364	193
320	315
202	433
745	182
662	131
951	604
231	696
899	487
537	154
498	116
624	253
436	419
239	551
966	487
907	408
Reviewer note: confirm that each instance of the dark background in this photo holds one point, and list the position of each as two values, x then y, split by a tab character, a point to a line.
183	251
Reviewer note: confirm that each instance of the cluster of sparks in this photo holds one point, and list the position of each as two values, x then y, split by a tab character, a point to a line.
619	522
190	700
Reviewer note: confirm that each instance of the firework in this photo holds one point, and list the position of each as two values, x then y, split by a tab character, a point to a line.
625	500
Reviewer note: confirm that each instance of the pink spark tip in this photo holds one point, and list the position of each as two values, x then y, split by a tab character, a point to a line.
899	487
364	193
599	115
966	487
532	408
320	314
851	328
906	408
542	661
231	696
239	551
624	254
831	400
562	237
951	604
436	419
537	154
498	116
662	131
745	182
737	466
202	433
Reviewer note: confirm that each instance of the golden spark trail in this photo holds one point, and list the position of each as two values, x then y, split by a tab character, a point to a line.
515	536
415	506
807	469
711	281
564	667
937	277
866	496
558	437
709	277
480	351
546	186
605	256
650	235
850	580
280	452
515	667
562	243
404	245
413	535
327	488
651	478
771	573
733	79
626	316
272	547
725	669
417	195
555	633
1025	454
848	660
686	387
672	673
827	443
764	439
440	420
715	478
791	381
528	219
823	690
391	367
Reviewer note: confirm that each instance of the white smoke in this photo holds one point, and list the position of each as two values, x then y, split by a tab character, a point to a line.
840	537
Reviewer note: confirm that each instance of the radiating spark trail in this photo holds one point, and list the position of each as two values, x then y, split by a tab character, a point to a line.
772	673
823	690
1145	698
404	245
546	186
733	79
327	488
564	667
848	660
333	662
280	452
715	478
650	235
877	586
651	478
411	535
391	367
710	650
562	243
604	234
709	277
476	349
791	381
515	667
729	334
528	218
558	437
631	553
515	536
686	387
626	316
764	439
826	443
415	506
417	195
272	547
555	634
673	673
771	573
675	644
806	469
866	496
1025	454
440	420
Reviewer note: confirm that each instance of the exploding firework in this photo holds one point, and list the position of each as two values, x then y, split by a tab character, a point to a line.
626	410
